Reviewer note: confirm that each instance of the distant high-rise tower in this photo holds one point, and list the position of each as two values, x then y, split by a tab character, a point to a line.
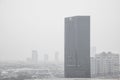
56	56
45	58
77	47
34	56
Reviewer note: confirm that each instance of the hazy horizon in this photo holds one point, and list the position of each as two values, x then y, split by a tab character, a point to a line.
27	25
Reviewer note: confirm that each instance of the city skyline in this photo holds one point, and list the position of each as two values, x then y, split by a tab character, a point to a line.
27	25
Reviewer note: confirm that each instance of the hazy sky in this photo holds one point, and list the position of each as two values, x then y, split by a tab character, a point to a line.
26	25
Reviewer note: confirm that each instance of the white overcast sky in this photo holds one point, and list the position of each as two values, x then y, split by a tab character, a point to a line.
26	25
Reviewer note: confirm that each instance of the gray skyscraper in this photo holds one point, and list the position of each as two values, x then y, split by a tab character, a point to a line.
77	47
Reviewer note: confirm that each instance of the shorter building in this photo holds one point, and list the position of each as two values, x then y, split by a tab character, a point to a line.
93	71
105	65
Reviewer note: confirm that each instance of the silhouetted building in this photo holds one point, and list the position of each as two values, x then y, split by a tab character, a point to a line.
34	56
77	47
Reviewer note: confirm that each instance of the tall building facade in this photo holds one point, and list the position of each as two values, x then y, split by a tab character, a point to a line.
34	57
77	47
